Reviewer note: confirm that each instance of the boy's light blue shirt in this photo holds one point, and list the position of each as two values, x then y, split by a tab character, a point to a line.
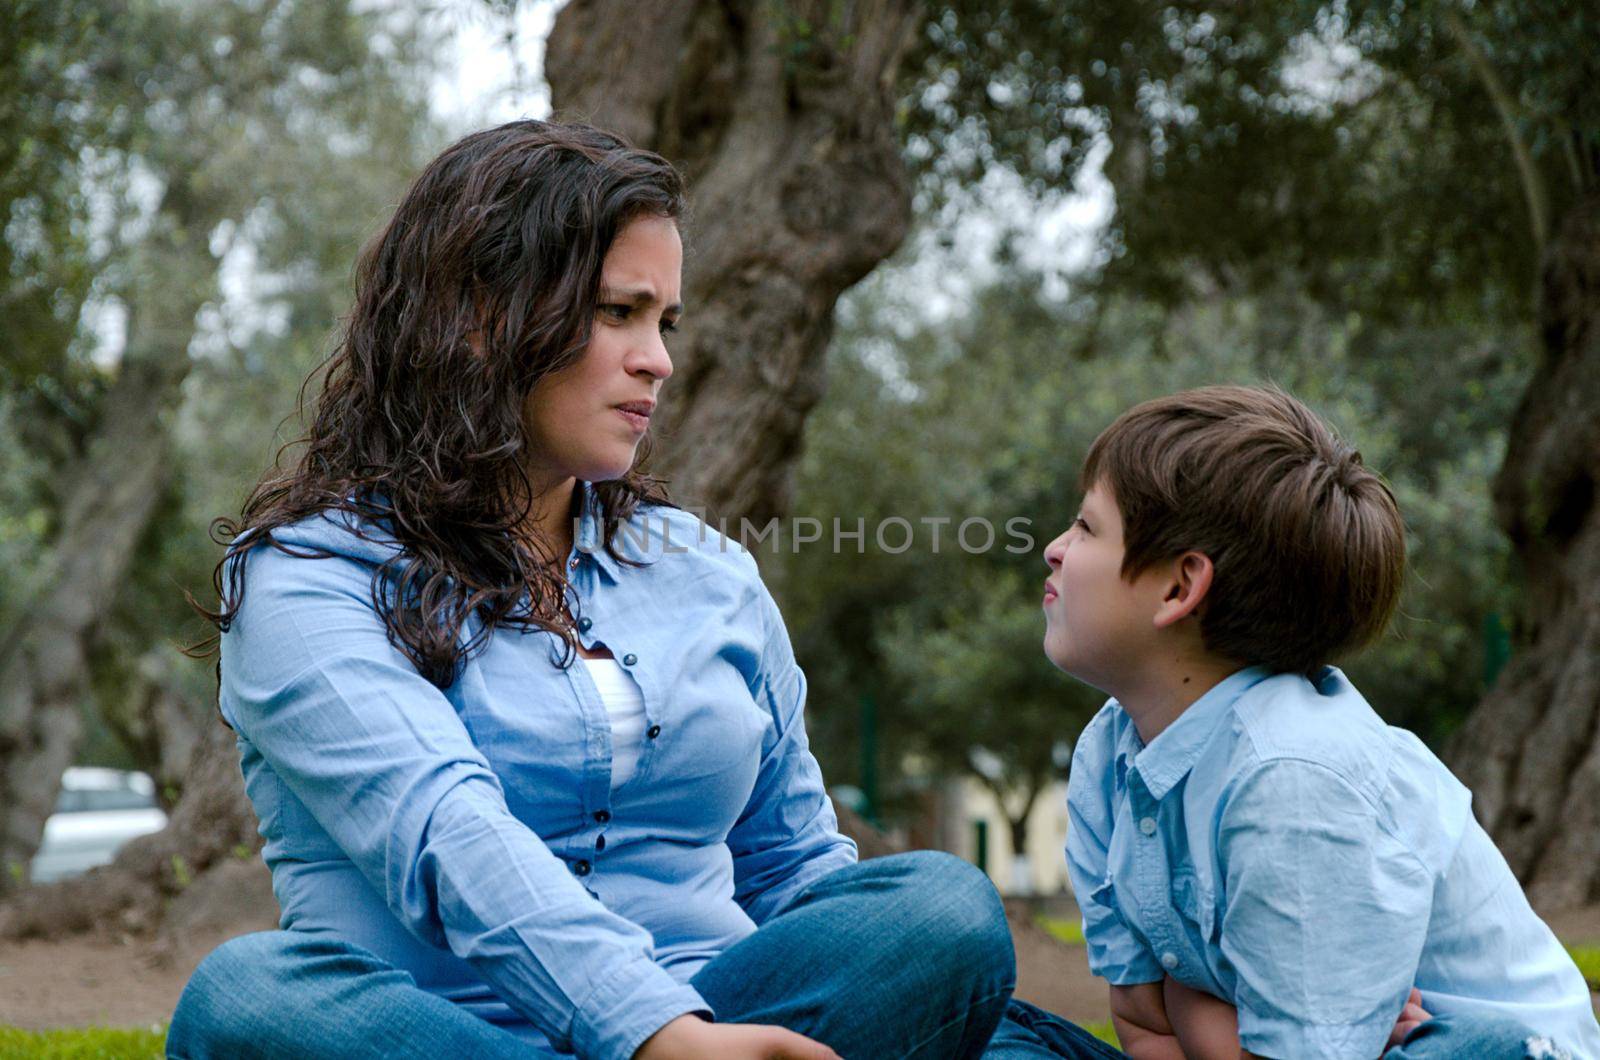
472	838
1280	847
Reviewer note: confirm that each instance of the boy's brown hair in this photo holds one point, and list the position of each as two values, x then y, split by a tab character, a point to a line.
1307	544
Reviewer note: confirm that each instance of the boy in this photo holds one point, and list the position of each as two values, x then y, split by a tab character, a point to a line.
1243	825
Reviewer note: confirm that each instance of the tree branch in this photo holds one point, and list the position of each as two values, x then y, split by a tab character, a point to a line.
1532	186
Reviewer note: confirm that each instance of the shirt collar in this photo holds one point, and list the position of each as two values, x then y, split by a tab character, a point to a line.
1168	758
589	534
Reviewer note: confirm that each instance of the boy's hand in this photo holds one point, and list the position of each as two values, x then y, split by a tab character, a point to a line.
1410	1017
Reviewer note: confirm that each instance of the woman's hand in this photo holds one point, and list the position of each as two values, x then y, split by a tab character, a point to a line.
690	1038
1410	1016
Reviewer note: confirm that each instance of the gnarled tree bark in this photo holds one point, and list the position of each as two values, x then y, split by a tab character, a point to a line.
1531	750
781	115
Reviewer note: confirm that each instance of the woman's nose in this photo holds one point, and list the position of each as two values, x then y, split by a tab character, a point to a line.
654	358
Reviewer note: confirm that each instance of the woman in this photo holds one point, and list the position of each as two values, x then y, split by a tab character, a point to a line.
526	742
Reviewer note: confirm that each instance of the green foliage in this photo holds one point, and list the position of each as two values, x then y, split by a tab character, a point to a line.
89	1043
1320	195
991	414
1355	146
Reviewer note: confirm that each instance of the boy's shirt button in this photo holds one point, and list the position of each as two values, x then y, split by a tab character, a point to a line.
1169	960
1147	825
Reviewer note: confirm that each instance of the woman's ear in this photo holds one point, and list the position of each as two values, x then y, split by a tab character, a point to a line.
1189	582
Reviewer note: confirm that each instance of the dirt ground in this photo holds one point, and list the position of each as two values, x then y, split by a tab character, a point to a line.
79	983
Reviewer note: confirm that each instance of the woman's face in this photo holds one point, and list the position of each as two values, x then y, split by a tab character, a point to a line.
586	421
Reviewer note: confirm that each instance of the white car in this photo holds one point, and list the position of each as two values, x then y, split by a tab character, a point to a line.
97	811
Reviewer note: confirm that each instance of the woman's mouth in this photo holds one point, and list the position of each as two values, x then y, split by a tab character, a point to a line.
637	413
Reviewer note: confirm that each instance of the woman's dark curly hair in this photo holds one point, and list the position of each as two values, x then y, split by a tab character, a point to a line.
483	283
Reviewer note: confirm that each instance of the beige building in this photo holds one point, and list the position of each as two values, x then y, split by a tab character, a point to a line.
973	826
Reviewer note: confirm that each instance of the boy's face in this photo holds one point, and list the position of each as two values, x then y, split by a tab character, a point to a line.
1099	626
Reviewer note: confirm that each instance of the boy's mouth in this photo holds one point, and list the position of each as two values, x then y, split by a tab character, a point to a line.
1049	591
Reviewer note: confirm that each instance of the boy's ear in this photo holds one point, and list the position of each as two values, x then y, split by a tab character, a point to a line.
1188	583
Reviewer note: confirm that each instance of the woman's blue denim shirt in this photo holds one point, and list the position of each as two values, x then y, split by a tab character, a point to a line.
471	836
1280	847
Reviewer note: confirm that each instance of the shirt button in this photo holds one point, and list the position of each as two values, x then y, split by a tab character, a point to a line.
574	564
602	816
1169	961
1147	825
653	731
581	868
584	624
629	659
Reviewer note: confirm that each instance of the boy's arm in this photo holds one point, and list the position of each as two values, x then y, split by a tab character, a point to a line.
1207	1027
1326	913
1139	1015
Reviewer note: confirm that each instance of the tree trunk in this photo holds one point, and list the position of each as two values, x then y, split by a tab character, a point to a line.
1530	751
781	116
1021	872
1019	832
108	498
158	723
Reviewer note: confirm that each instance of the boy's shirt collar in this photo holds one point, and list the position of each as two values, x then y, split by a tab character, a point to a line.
1168	758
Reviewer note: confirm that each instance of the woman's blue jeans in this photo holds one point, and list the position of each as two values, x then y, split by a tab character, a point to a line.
903	956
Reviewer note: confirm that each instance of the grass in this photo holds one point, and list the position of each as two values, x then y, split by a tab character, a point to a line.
1104	1032
1587	958
87	1043
1068	931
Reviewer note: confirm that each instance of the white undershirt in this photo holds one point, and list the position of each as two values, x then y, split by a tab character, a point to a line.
625	707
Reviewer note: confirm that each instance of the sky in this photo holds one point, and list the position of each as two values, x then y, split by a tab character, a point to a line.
482	85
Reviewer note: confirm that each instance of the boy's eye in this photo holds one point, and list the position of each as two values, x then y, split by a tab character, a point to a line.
1079	524
668	326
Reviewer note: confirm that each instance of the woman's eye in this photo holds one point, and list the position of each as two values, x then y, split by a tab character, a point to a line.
616	311
668	326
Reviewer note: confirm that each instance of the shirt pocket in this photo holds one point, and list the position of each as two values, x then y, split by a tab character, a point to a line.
1105	896
1197	906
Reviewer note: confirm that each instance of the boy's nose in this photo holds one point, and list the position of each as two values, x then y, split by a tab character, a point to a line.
1053	552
